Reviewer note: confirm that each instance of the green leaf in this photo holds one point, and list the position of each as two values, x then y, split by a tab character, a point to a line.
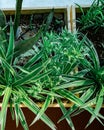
35	109
76	83
16	108
17	15
3	43
22	70
93	53
86	96
2	19
2	80
22	119
89	103
68	95
43	109
34	59
99	103
3	122
63	109
12	110
34	75
79	89
2	52
6	66
10	49
25	45
49	20
7	94
81	9
69	112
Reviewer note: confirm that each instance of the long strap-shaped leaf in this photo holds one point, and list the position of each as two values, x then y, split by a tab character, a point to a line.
33	59
7	66
17	15
35	109
25	45
63	109
9	54
2	80
2	52
99	103
31	75
3	122
10	50
22	119
43	109
86	96
16	108
7	94
93	53
76	83
2	19
70	96
49	20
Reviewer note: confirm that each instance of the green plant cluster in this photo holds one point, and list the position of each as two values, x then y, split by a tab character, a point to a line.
94	17
49	75
91	23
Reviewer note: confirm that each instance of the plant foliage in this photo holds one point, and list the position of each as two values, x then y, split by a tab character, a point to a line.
62	66
91	23
94	17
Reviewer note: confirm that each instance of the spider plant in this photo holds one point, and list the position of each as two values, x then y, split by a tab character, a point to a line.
65	50
91	23
48	74
41	75
36	79
93	18
18	83
88	82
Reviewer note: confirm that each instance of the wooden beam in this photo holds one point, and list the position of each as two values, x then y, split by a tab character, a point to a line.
40	104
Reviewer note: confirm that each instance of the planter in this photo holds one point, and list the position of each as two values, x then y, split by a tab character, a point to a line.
30	7
32	21
54	113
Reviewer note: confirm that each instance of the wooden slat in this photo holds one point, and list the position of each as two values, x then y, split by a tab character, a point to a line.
31	11
41	104
54	105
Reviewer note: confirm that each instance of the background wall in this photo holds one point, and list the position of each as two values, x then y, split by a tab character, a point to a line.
43	3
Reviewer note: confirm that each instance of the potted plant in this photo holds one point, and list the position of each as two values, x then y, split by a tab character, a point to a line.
88	82
48	75
91	23
29	78
12	73
73	50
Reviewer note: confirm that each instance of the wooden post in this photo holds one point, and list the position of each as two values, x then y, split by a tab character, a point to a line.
68	18
73	18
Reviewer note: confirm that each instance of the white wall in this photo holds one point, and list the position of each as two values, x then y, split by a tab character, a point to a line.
35	3
83	2
10	4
